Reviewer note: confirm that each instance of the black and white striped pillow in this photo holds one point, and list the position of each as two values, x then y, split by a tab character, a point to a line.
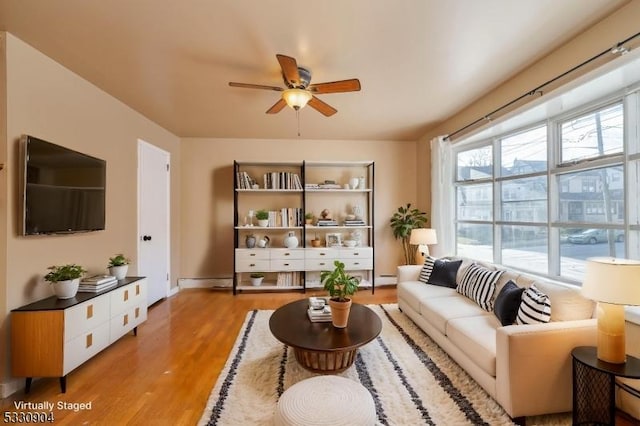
535	307
427	268
479	284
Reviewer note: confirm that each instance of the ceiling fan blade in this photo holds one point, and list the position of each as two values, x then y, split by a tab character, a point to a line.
255	86
352	85
322	107
289	69
277	107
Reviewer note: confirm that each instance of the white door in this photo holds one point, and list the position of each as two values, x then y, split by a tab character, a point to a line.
153	219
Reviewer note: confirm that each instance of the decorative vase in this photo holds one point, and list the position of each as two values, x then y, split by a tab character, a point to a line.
353	183
263	222
66	289
256	281
361	183
316	243
263	242
291	241
119	271
250	241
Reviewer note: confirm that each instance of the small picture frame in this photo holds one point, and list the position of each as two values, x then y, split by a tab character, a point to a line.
334	240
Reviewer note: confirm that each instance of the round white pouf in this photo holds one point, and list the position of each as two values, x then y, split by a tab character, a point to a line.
326	400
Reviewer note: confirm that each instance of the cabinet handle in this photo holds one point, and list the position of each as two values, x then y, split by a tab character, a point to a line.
322	254
89	340
126	295
356	263
356	254
137	312
252	254
321	263
125	320
252	264
287	254
137	289
89	311
286	264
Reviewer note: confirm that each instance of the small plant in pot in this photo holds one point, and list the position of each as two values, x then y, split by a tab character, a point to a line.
256	278
65	279
308	218
340	286
263	217
118	266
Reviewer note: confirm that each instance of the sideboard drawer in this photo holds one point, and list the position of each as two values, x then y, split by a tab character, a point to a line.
287	265
357	264
251	254
321	253
252	265
84	346
356	252
318	264
284	254
85	316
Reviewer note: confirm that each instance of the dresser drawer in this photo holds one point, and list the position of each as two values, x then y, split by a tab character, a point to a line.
126	321
251	254
356	252
318	264
357	264
252	265
321	253
85	316
84	346
284	254
287	265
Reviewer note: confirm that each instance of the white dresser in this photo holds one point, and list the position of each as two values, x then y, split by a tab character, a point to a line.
52	337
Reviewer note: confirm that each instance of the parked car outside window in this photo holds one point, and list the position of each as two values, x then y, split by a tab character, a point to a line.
593	236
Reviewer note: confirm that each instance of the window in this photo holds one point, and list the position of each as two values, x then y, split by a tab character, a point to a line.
549	219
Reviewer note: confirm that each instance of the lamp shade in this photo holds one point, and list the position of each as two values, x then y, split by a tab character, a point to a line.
611	280
296	98
423	236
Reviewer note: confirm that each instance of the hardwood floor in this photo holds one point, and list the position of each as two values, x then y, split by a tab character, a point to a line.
165	374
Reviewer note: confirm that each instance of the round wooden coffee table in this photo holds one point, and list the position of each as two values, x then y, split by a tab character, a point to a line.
319	346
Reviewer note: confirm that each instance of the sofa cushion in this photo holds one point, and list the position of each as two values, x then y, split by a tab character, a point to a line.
413	292
507	303
440	272
567	301
438	311
535	307
476	336
479	283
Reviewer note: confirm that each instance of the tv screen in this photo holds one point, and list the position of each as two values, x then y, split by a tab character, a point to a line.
64	190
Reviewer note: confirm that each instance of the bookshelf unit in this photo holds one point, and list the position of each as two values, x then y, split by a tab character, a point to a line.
288	190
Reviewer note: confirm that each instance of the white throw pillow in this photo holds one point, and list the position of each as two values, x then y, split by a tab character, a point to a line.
535	307
479	284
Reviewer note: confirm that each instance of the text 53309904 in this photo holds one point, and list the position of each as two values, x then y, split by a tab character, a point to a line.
18	417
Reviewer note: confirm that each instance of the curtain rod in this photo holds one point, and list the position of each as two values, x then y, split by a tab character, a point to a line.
618	48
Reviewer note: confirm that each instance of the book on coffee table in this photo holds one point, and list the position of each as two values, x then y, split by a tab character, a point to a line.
319	315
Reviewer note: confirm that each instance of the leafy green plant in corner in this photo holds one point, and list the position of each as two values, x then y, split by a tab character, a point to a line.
402	222
118	260
338	283
64	272
262	215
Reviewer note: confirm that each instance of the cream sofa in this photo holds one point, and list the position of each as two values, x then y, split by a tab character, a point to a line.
525	368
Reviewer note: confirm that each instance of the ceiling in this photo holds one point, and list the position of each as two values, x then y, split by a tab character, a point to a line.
419	61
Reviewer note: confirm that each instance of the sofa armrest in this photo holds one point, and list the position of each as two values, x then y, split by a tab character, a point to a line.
533	365
408	272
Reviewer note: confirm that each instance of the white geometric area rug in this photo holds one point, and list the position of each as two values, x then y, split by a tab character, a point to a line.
412	381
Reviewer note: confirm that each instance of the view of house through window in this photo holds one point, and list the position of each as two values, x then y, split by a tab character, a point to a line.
546	198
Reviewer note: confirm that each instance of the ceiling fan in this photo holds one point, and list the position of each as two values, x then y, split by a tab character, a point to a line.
299	92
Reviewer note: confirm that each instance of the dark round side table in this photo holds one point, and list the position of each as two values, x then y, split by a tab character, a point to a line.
594	381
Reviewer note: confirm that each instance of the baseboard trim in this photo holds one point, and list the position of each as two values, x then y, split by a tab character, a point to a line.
184	283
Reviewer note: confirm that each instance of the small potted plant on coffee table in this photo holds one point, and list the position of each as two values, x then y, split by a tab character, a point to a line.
118	266
65	279
340	286
256	278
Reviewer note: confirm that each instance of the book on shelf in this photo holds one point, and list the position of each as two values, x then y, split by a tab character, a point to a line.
98	279
281	180
288	279
354	222
326	222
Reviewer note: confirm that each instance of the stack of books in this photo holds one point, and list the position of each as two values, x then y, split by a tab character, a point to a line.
97	283
318	310
354	222
326	222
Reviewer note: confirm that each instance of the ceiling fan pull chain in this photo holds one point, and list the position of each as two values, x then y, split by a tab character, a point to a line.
298	117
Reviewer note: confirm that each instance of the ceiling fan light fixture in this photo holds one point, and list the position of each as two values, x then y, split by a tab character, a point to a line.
296	98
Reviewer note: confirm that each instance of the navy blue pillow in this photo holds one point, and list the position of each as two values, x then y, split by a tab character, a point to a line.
444	273
508	302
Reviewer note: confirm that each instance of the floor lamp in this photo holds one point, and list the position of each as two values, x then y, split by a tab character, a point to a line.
613	283
422	237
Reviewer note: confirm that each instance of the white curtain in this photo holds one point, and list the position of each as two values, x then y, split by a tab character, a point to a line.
442	197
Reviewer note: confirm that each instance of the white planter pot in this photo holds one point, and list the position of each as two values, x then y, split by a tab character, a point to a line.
263	222
66	289
119	271
256	281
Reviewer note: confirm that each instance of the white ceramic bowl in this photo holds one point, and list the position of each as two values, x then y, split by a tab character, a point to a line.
350	243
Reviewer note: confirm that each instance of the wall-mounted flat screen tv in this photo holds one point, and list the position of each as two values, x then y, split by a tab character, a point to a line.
63	190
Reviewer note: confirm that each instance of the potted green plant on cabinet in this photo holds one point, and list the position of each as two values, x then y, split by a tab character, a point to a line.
340	286
402	222
118	266
263	218
256	278
65	279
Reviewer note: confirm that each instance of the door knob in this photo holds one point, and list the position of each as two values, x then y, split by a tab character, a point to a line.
146	238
